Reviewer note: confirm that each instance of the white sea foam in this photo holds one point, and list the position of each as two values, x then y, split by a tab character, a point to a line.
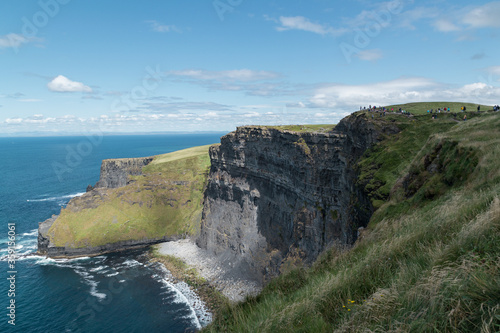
131	263
33	232
180	298
89	280
69	196
44	261
112	274
97	269
182	293
93	289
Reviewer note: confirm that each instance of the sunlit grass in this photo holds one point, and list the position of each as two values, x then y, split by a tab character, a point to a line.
166	200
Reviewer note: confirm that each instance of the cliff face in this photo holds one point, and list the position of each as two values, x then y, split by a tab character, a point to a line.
116	172
276	196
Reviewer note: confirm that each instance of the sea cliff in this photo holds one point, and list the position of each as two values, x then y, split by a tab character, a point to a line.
278	197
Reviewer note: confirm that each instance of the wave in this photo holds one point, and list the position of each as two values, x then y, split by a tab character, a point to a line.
179	297
33	232
62	197
181	293
26	244
131	263
99	268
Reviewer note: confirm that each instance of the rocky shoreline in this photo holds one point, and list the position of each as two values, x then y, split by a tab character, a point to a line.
223	276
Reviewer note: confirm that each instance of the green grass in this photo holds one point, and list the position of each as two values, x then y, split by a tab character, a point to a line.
304	128
180	154
166	200
427	262
421	108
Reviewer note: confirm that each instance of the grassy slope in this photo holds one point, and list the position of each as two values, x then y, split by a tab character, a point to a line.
154	205
304	128
429	259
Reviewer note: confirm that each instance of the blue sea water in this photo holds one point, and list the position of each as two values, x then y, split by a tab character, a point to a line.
121	292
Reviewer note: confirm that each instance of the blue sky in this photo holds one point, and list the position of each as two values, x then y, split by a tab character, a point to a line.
74	66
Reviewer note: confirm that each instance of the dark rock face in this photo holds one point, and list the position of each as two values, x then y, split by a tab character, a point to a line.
115	172
275	195
43	238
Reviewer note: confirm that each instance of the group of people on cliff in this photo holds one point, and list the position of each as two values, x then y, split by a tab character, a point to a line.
432	112
384	109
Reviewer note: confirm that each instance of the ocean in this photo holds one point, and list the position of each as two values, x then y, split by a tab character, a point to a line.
119	292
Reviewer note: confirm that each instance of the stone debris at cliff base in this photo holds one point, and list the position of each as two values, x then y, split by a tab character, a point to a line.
216	273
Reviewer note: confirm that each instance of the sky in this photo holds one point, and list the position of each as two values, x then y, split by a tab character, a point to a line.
75	66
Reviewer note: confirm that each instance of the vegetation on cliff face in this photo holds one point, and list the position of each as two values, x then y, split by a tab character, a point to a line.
165	200
428	260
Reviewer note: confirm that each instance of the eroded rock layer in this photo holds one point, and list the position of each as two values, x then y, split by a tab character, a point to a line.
277	196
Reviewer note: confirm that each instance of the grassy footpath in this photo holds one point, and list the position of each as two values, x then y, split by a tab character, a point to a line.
166	200
429	259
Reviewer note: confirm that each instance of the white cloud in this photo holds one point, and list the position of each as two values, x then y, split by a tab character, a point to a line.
410	17
158	27
403	90
13	41
484	16
304	24
370	55
244	75
445	26
63	84
13	121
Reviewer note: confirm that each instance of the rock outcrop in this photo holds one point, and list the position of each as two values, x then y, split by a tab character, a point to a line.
115	172
275	197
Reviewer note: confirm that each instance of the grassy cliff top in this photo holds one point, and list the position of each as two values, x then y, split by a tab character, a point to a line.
321	128
422	107
180	154
166	200
428	260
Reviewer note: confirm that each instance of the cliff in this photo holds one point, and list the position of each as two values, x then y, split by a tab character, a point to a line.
426	261
136	202
115	172
276	197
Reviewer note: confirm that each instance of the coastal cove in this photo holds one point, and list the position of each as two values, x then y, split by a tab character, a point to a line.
87	293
